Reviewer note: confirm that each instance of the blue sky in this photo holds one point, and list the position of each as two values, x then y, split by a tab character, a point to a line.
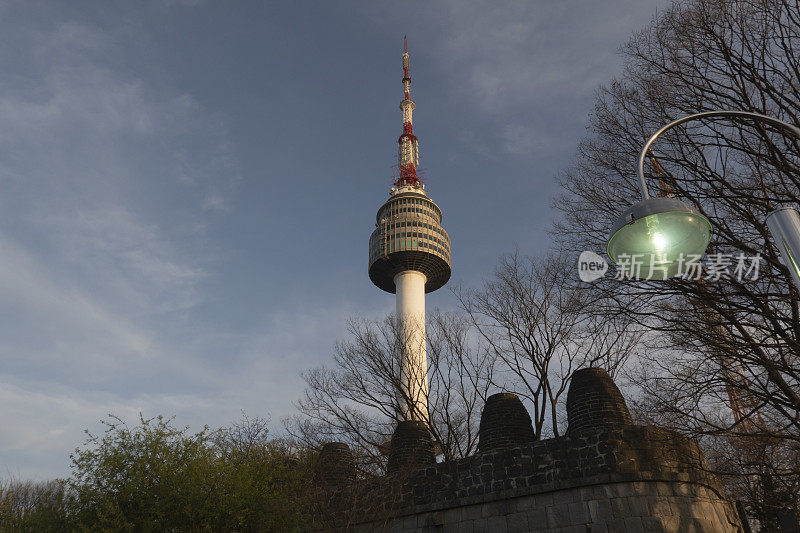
188	187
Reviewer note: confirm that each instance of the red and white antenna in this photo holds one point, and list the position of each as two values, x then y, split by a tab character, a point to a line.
408	147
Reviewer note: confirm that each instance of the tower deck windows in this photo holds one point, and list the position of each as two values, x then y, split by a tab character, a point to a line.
410	243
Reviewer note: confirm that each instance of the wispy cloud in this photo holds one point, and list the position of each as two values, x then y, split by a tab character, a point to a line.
79	143
103	248
54	320
124	256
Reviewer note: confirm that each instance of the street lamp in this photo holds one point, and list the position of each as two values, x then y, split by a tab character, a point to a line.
657	235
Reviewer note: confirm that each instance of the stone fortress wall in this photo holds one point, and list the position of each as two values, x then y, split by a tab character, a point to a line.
604	475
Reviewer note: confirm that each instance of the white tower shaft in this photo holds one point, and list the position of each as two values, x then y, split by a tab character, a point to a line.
413	390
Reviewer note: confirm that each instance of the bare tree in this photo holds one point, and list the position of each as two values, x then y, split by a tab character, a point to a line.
358	401
540	325
726	342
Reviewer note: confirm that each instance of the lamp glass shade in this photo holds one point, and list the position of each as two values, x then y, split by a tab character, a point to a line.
659	238
784	225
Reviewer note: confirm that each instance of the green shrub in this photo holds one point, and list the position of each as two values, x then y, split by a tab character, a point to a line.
156	477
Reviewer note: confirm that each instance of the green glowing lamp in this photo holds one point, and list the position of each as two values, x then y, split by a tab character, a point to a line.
658	238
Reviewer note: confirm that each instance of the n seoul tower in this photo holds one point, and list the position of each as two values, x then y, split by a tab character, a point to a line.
409	255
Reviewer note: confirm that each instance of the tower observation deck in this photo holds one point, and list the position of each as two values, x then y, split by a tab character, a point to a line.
409	255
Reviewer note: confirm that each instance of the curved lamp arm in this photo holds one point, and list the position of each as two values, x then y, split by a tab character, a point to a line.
794	130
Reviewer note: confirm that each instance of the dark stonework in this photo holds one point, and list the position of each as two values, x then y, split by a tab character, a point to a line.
411	447
593	456
335	465
605	474
594	401
504	422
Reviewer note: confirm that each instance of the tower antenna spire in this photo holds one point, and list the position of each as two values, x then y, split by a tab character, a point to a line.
408	146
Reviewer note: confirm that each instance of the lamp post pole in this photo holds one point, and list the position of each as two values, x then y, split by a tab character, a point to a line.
783	223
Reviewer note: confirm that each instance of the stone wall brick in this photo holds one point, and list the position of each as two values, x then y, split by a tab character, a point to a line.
633	524
467	527
620	508
652	525
599	511
578	512
537	518
661	507
472	512
638	506
481	524
497	523
618	526
518	522
454	527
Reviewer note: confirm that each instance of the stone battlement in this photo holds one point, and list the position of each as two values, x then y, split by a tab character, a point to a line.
605	474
